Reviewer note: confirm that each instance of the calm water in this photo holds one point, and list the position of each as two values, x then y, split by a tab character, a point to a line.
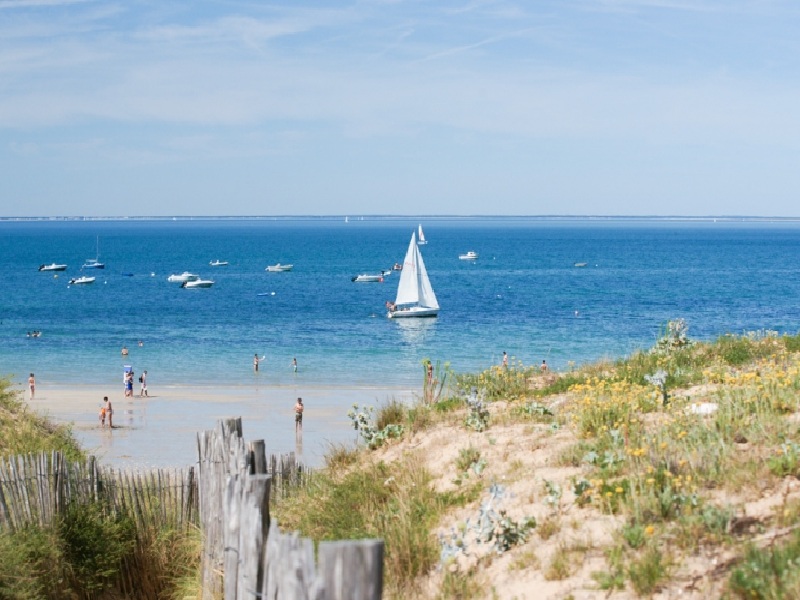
523	295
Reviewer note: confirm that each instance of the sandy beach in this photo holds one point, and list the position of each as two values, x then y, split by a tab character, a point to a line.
160	430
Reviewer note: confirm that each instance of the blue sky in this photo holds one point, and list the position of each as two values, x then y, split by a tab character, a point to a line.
569	107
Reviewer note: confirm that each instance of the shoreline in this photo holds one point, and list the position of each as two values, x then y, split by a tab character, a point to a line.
160	430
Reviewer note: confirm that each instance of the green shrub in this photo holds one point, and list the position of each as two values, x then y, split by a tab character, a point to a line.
94	543
768	573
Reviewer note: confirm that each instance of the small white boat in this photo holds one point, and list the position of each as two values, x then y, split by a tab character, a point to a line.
218	263
468	256
53	267
81	280
279	268
415	296
364	278
580	264
183	277
197	283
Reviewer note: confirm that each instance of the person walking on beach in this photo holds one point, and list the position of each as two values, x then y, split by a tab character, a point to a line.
143	381
32	385
256	360
298	415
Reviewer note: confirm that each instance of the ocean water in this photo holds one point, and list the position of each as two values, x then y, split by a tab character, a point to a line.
523	295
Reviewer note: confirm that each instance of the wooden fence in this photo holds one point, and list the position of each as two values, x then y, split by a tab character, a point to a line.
245	556
36	488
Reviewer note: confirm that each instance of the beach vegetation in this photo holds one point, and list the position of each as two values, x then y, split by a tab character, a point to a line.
669	444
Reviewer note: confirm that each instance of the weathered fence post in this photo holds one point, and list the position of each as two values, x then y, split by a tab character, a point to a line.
253	527
352	570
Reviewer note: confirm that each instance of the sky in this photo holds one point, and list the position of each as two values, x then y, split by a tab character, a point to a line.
399	107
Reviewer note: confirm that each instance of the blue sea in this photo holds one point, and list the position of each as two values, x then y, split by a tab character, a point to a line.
524	295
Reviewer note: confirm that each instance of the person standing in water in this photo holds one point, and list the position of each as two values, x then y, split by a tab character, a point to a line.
106	412
256	360
298	415
294	364
143	381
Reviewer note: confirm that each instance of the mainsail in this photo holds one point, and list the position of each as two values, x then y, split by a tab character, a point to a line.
415	287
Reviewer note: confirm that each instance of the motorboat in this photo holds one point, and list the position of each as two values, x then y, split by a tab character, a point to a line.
468	256
415	296
218	263
81	280
397	267
364	278
183	277
197	283
279	268
53	267
580	264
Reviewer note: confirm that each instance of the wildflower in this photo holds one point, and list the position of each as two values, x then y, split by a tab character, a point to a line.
649	530
619	490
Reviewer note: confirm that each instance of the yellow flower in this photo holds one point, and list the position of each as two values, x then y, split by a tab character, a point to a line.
619	490
649	530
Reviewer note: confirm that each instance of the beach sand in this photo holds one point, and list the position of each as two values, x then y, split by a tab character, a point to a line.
161	430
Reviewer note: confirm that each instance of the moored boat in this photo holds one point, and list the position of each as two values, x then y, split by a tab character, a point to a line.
364	278
53	267
197	283
81	280
468	256
183	277
218	263
279	268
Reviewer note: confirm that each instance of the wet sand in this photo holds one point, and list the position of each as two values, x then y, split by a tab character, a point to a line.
161	430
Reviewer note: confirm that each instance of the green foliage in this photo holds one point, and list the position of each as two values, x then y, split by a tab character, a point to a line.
396	503
735	350
647	571
498	383
478	416
769	573
31	564
94	543
363	423
467	458
787	461
792	342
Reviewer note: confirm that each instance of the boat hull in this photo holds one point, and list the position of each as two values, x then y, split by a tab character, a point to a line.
53	267
81	281
413	312
367	278
198	283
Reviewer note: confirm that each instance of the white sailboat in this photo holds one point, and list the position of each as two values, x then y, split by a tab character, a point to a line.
415	297
421	237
